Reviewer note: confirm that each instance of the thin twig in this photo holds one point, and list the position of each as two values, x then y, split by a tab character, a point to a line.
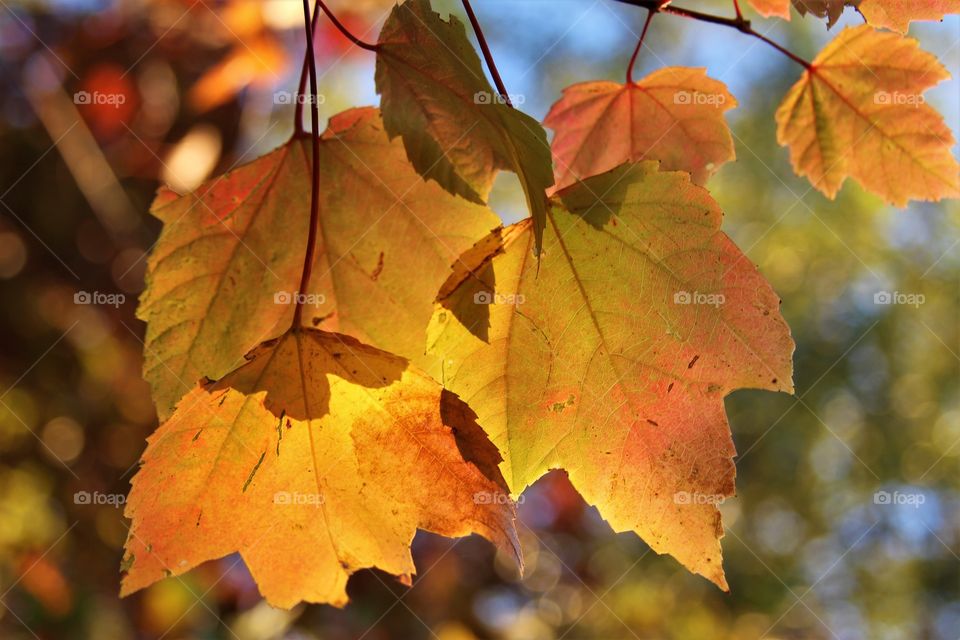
314	175
491	65
739	23
636	52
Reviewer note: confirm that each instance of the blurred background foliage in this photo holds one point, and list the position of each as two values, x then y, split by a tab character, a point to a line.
809	551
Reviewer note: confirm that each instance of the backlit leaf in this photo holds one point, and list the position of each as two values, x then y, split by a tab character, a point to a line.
897	14
768	8
319	457
226	267
829	9
611	358
674	115
453	125
859	111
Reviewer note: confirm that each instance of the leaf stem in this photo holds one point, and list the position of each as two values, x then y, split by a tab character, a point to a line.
315	172
739	23
736	7
346	32
636	51
487	56
302	86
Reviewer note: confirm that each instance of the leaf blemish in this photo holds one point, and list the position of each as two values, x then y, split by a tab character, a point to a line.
379	268
283	414
253	471
693	362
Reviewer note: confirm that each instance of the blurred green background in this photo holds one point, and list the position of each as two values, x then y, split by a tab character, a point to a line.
812	549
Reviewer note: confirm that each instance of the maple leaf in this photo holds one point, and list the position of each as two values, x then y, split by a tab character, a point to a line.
859	111
674	115
829	9
612	360
898	14
226	267
319	457
453	124
768	8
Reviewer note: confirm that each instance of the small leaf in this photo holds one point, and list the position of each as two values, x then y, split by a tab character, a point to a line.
674	115
319	457
226	268
898	14
611	358
453	125
859	111
829	9
769	8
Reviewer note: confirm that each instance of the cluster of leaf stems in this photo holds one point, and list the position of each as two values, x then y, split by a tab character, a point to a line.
309	70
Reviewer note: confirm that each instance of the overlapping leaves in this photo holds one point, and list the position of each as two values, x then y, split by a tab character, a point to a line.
610	359
319	457
225	270
607	356
455	127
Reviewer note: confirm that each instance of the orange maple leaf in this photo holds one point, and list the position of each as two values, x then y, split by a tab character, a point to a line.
674	115
859	111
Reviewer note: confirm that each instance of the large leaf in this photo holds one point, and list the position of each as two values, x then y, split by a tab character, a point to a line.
612	359
674	115
317	458
455	129
222	275
898	14
859	111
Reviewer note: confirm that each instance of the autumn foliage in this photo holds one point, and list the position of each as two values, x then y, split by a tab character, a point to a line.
400	361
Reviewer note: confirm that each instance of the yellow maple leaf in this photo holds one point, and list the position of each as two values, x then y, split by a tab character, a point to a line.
319	457
859	111
224	274
898	14
610	359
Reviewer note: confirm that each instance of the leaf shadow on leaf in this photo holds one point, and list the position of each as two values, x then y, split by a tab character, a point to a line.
475	284
472	441
305	395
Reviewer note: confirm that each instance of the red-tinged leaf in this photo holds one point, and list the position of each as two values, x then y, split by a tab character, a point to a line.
772	8
674	115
